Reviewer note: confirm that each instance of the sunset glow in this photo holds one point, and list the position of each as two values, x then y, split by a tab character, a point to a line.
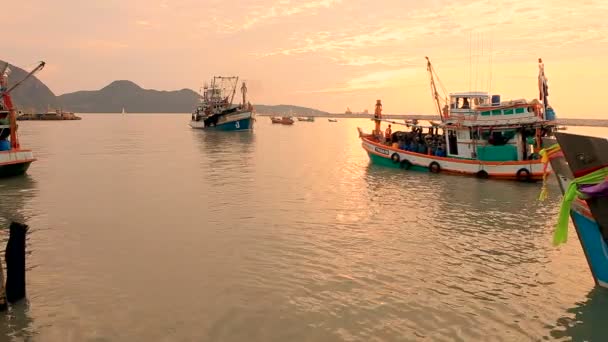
325	54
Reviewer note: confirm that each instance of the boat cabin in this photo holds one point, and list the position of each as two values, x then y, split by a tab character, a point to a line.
465	103
488	143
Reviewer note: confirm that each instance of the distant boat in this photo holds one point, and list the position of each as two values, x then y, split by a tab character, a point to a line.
123	111
332	120
285	120
307	118
216	111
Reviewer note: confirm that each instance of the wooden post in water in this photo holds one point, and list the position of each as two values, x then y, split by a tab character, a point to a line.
15	262
3	305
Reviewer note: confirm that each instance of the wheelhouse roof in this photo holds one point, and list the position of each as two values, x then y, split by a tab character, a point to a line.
470	94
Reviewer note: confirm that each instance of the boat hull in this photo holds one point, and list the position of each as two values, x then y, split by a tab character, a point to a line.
236	122
15	163
593	244
580	153
385	155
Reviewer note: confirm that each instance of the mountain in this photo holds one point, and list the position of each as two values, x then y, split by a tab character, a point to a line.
119	94
31	95
287	110
35	96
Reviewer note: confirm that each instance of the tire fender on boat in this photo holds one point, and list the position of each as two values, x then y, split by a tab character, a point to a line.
434	167
523	175
395	158
405	164
481	174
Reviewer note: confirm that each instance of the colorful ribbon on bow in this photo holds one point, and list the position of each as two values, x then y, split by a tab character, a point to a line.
547	154
597	177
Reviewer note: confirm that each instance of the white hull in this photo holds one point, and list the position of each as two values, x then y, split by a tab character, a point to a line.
504	170
14	157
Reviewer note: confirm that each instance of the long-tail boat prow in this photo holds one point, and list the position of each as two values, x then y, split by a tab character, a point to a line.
480	135
14	160
580	164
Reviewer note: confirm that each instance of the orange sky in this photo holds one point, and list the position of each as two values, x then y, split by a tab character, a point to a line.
326	54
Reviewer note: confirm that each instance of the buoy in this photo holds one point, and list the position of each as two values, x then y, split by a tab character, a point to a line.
523	175
434	167
395	158
482	174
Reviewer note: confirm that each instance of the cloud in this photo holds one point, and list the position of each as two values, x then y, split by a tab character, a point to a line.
104	45
515	25
281	8
376	80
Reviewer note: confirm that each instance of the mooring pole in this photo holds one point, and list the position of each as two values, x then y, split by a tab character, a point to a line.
15	262
3	305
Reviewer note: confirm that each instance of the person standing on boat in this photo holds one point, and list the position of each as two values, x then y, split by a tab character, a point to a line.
387	134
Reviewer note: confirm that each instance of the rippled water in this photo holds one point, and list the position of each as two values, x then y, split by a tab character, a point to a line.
143	229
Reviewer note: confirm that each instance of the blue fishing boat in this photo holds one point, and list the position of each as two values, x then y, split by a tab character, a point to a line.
216	110
580	164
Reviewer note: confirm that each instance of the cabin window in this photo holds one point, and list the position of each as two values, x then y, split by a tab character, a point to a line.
519	110
475	134
496	112
463	135
508	111
454	103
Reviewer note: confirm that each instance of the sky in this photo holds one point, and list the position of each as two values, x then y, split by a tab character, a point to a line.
324	54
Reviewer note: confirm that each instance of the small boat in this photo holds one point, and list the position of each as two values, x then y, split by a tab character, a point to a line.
561	128
285	120
480	136
14	160
332	120
123	111
575	158
216	111
306	118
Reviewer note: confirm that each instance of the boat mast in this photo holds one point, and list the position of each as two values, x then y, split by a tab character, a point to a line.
542	85
434	91
236	81
6	96
244	92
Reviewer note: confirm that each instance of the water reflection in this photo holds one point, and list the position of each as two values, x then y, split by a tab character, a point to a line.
16	323
586	321
221	142
16	192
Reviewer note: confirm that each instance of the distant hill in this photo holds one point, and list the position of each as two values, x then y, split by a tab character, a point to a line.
31	95
35	96
287	110
119	94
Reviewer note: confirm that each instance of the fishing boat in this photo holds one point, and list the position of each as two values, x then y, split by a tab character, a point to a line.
14	160
480	136
216	110
284	120
580	164
306	118
332	120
